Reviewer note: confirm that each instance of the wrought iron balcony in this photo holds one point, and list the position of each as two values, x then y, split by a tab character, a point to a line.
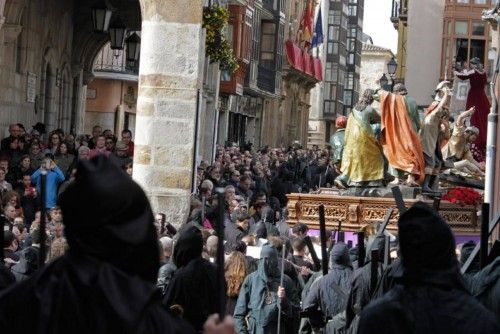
114	62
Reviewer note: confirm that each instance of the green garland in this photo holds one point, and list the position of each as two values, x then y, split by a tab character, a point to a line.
215	18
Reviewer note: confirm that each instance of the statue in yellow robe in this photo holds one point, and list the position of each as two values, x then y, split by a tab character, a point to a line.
362	159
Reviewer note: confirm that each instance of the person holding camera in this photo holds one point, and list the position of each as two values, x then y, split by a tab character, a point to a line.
54	177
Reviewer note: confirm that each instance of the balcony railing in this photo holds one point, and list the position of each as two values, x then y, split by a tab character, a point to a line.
112	61
302	61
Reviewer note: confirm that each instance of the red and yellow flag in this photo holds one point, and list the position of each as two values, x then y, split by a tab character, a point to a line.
306	24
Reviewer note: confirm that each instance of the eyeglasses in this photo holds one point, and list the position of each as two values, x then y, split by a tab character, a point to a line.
109	142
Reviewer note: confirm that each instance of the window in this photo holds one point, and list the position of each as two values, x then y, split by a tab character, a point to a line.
462	1
477	49
335	72
329	107
351	44
349	84
462	49
333	92
480	2
330	92
337	17
333	33
329	48
461	27
350	59
256	35
353	10
347	97
331	16
478	28
267	44
328	71
352	32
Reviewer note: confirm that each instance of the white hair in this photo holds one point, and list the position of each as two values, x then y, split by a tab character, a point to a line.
166	243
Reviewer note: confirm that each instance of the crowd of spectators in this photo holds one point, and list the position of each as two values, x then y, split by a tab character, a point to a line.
257	242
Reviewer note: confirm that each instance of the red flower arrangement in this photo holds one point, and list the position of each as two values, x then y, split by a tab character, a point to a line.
463	196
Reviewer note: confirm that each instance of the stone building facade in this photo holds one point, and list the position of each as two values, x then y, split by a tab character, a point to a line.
373	65
47	53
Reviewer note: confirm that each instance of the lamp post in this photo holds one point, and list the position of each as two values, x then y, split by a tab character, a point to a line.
392	66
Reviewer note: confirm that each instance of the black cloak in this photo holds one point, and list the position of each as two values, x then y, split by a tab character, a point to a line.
194	284
328	295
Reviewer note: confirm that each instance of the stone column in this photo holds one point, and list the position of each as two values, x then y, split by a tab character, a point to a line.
169	72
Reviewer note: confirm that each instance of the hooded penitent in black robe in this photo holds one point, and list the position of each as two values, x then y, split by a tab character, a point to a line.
328	295
430	297
259	301
194	284
361	290
105	284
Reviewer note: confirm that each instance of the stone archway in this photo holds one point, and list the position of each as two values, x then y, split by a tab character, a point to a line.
170	68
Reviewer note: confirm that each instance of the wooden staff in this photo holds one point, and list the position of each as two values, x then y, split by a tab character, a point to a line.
312	251
322	233
398	197
361	249
281	284
387	251
221	280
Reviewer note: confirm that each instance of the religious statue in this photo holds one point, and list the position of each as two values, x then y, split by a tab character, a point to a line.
430	135
477	98
399	138
337	141
362	158
457	150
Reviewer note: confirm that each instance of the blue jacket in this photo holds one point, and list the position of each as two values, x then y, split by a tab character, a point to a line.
54	178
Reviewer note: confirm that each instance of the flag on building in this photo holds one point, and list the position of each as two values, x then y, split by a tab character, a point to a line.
306	24
318	31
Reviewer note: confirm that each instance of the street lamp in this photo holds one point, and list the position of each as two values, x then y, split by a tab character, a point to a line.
101	16
117	32
383	81
391	69
133	43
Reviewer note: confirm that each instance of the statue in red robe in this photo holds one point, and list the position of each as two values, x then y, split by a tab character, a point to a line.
477	98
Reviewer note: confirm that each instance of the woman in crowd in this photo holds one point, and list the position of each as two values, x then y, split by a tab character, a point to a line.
53	144
235	273
63	158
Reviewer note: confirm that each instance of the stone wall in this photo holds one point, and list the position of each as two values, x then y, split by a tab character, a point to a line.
373	65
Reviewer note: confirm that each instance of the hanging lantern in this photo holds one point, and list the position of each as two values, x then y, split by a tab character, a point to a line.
133	47
117	32
101	16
